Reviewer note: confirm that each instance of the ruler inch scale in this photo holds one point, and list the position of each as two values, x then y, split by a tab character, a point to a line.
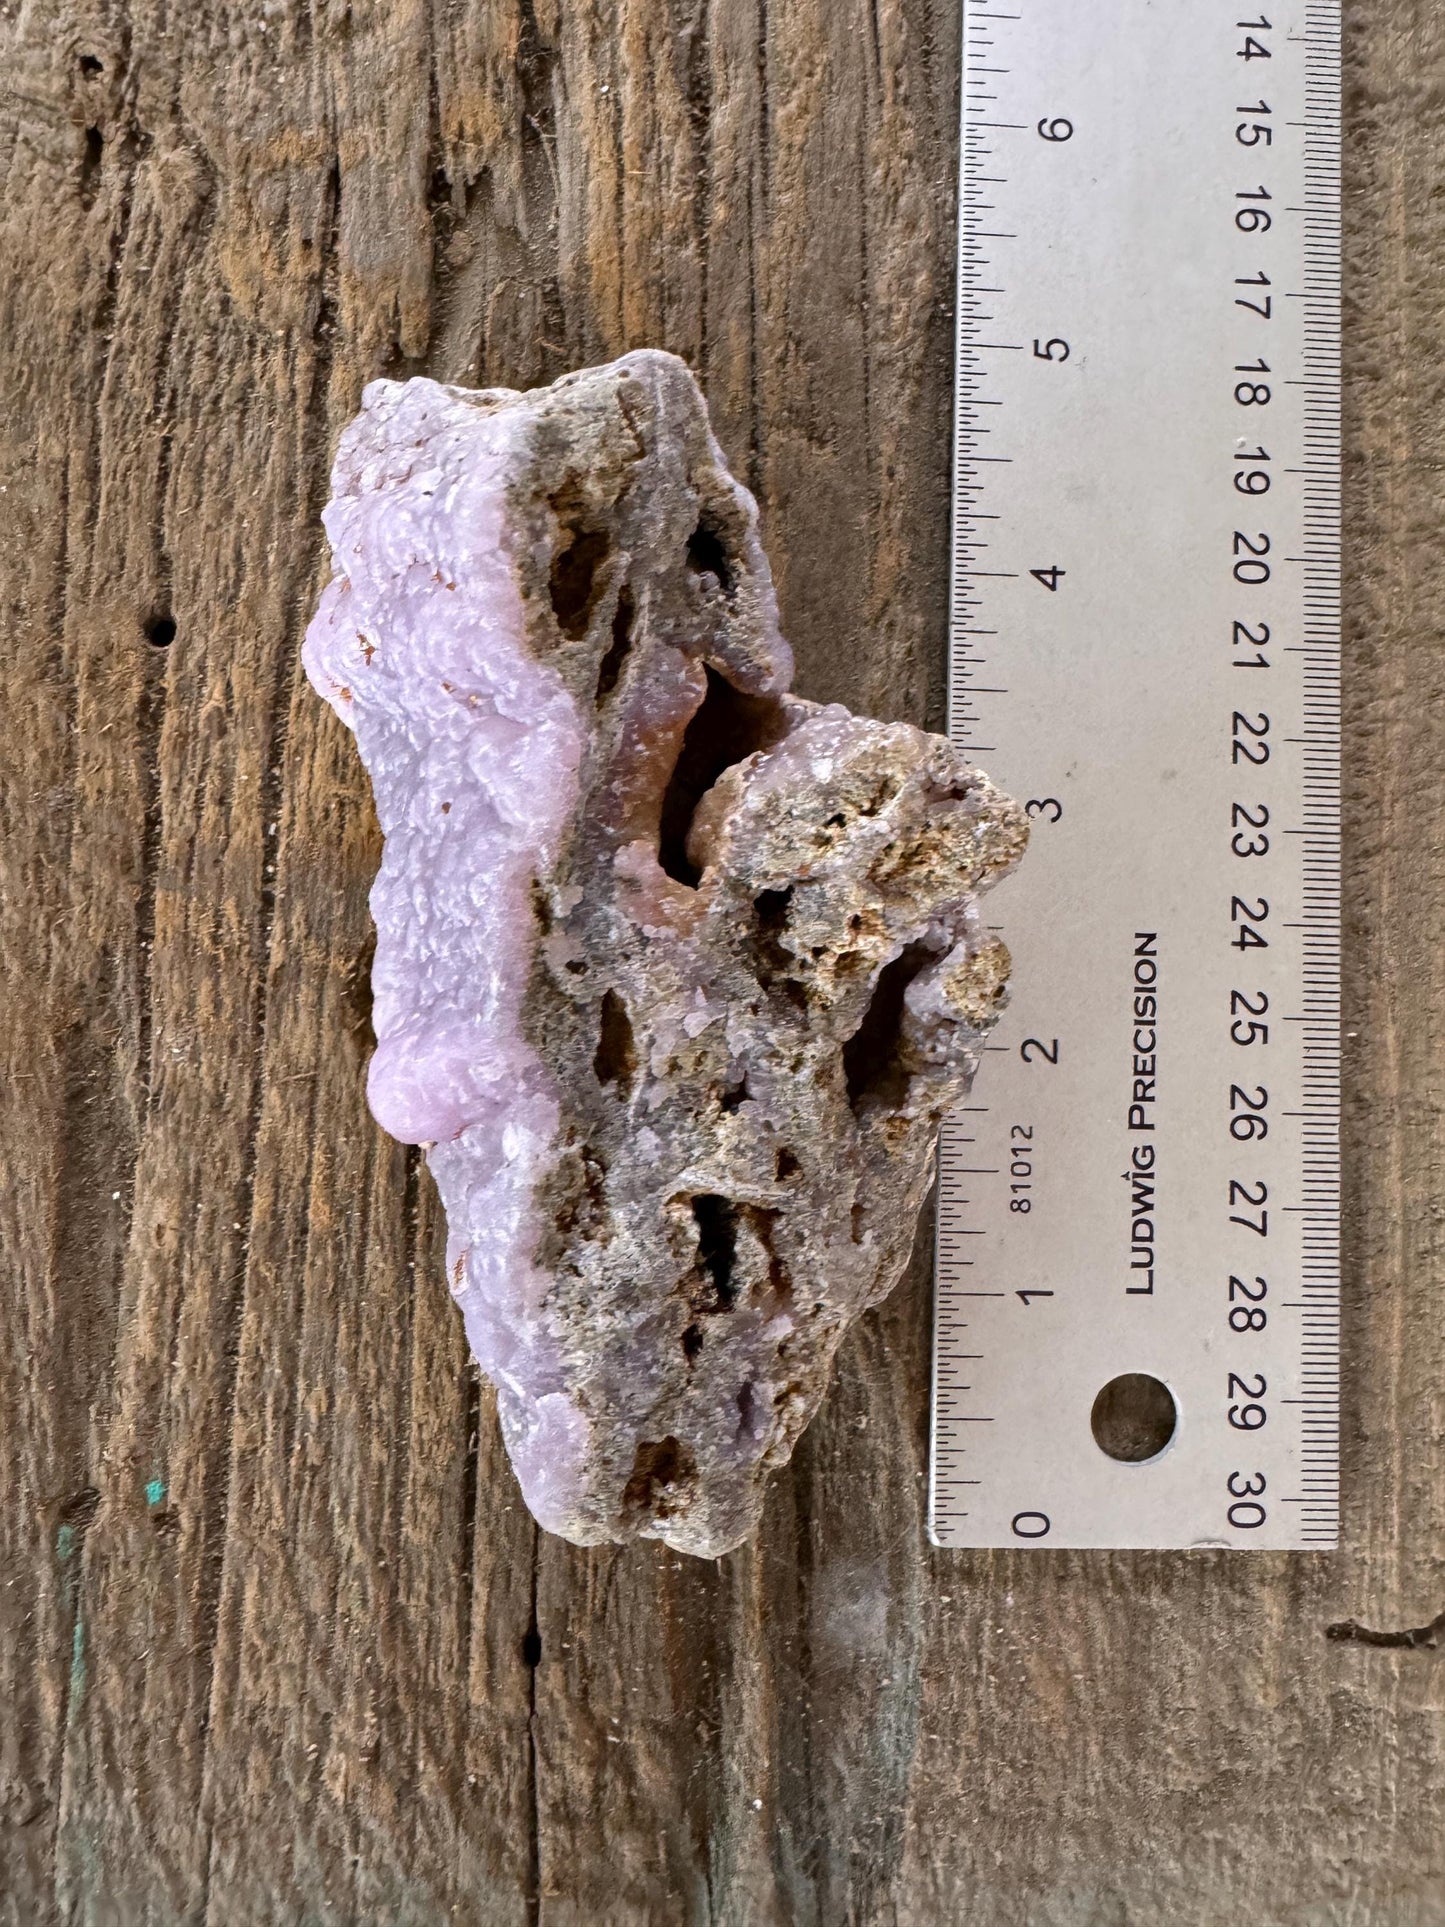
1144	648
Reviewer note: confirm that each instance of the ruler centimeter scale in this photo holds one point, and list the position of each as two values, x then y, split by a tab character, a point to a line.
1144	649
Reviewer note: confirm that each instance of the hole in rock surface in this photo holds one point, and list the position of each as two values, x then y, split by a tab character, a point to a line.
692	1342
616	1057
727	726
717	1243
573	584
160	630
763	1224
776	962
610	667
706	555
1133	1418
734	1095
659	1463
787	1164
748	1411
871	1065
581	1198
771	908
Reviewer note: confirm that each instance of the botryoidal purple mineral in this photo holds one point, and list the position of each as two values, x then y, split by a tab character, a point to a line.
676	974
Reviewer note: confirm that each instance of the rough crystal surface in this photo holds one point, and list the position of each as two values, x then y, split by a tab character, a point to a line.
676	974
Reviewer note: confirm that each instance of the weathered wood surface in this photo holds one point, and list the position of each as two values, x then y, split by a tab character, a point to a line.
278	1642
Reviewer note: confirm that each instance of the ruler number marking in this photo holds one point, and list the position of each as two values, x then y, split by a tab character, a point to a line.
1246	1513
1250	746
1021	1152
1254	1032
1030	1525
1241	1193
1251	1315
1241	730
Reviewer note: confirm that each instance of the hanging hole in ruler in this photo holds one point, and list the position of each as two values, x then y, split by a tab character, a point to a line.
1134	1418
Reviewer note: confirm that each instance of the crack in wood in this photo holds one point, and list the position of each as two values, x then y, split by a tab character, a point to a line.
1416	1639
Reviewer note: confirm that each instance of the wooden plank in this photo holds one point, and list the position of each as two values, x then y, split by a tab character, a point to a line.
278	1641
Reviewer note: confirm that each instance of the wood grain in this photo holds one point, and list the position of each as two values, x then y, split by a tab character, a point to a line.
278	1641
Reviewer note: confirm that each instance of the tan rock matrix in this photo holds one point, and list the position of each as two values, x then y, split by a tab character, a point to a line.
676	973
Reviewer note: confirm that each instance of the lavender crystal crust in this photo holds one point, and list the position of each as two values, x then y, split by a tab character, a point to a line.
676	974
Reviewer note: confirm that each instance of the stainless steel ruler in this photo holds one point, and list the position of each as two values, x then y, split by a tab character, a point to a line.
1137	1280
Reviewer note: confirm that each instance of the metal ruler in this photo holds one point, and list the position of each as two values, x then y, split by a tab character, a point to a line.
1137	1276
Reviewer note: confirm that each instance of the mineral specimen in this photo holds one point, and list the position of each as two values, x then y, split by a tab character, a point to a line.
676	974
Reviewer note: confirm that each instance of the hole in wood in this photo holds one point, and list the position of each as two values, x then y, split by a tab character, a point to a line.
90	166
